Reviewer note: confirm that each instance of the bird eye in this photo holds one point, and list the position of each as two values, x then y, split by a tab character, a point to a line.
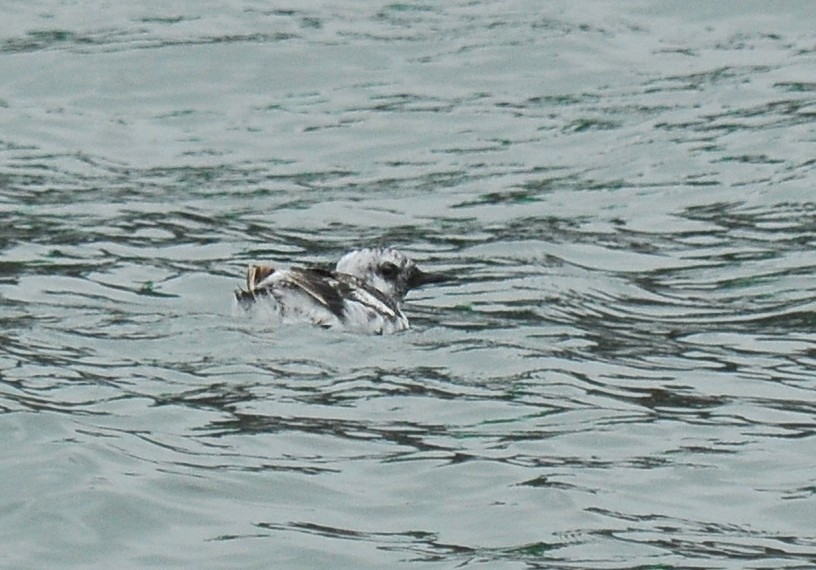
389	270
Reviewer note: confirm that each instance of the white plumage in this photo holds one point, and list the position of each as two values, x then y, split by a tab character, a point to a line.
363	293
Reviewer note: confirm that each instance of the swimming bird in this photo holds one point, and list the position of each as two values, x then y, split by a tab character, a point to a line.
364	292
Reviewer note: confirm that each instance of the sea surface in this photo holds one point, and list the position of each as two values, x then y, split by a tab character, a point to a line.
623	375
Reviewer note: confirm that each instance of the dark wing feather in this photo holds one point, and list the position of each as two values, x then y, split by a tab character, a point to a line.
375	300
328	288
323	286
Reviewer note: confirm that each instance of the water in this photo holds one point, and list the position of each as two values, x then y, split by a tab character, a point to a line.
622	377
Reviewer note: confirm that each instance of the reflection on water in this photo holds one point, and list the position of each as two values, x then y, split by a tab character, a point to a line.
621	376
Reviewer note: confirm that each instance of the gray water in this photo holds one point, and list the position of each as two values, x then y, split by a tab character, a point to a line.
622	377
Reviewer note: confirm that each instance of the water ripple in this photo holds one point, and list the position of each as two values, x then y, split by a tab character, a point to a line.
625	199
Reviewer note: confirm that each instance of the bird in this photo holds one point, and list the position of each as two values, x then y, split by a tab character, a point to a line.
363	293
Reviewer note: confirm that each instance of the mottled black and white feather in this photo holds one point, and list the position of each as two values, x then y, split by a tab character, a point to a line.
364	293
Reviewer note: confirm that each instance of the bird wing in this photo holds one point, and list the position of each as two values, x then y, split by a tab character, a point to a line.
321	285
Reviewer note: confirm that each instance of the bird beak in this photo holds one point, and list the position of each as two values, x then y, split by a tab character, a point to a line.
418	278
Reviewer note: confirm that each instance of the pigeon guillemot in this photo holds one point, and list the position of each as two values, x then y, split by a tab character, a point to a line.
363	293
